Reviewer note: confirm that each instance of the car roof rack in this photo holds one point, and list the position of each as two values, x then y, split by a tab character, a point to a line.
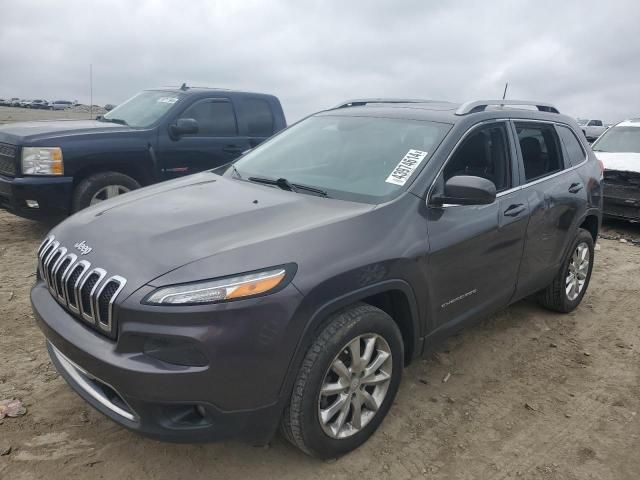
358	102
481	105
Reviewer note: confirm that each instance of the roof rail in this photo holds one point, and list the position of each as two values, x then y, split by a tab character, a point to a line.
481	105
358	102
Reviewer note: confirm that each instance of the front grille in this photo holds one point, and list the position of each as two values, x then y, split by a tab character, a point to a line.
85	291
8	159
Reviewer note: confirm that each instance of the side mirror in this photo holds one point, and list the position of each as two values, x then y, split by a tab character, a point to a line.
184	126
466	190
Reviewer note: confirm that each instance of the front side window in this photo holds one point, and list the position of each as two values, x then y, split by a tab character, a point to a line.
595	123
366	159
215	118
540	150
144	109
619	139
485	154
572	146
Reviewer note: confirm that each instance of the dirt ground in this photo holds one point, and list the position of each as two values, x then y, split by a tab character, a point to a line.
15	114
532	395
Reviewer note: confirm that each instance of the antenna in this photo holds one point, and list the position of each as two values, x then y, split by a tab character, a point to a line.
504	94
91	91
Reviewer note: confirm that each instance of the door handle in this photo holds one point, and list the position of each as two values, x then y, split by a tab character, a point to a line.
575	187
233	149
514	210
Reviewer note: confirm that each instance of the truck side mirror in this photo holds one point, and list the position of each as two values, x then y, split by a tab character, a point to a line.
184	126
466	190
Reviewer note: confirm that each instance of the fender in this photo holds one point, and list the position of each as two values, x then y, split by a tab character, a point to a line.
322	313
591	211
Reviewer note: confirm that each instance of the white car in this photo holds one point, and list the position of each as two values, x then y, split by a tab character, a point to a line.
619	151
592	129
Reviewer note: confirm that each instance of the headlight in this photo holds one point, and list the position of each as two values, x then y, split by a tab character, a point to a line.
211	291
42	161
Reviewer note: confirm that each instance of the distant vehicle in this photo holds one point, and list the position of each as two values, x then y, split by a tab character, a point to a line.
619	150
60	105
592	129
54	168
108	107
4	102
42	104
14	102
24	103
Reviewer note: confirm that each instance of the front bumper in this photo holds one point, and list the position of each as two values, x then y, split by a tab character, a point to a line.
53	195
622	201
180	403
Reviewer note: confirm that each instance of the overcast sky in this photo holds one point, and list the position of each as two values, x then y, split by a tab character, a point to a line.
584	56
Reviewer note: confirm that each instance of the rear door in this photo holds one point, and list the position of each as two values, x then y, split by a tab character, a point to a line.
475	250
217	141
555	194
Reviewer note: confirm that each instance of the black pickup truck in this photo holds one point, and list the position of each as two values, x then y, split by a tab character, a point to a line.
51	169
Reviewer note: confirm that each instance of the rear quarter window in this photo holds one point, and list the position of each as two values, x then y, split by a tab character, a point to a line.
572	146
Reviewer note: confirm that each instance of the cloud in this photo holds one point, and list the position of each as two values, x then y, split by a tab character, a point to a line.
582	56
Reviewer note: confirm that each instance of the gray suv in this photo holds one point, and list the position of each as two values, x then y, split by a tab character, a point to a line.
292	287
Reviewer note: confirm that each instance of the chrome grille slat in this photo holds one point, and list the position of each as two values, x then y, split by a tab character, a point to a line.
81	289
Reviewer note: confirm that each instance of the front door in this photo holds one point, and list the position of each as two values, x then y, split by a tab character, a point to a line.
216	142
475	250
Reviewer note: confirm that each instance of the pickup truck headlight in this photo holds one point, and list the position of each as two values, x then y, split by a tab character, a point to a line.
42	161
212	291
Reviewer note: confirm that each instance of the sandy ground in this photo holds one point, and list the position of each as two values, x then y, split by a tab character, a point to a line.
532	395
14	114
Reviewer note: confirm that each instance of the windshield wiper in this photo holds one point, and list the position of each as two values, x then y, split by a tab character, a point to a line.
285	184
114	120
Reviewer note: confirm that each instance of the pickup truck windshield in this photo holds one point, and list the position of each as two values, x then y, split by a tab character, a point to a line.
144	109
366	159
619	139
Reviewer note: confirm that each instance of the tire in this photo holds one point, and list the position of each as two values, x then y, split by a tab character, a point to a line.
94	184
301	423
556	296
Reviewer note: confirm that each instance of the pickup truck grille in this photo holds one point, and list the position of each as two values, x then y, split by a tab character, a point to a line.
87	292
8	159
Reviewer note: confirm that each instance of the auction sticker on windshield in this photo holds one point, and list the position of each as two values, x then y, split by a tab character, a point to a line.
167	100
406	167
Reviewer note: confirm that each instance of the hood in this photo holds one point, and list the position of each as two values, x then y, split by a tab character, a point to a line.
26	132
154	230
620	161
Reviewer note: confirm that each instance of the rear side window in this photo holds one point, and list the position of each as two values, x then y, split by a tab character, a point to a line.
540	150
215	118
484	153
256	113
572	146
595	123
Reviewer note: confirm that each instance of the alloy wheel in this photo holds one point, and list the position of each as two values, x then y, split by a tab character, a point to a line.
107	192
578	271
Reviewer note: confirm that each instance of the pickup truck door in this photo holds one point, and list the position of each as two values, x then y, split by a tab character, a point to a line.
217	141
475	250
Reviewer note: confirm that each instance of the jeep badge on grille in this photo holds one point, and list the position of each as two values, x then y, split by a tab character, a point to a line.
83	247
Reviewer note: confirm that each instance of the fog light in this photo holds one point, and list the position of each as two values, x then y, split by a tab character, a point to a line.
32	204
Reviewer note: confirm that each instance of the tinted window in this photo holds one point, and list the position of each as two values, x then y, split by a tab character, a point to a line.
215	118
257	115
540	150
595	123
483	154
574	149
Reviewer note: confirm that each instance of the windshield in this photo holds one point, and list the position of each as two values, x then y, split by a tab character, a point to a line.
144	109
619	139
353	158
582	122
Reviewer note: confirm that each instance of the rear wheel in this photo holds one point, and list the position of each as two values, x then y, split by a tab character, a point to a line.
570	285
346	384
101	186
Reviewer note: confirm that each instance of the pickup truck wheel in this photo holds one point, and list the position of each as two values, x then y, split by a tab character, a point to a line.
347	383
101	186
570	285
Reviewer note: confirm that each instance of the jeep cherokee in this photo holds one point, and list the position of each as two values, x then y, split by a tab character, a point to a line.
293	288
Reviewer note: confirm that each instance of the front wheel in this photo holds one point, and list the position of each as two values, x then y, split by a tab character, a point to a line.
101	186
570	285
346	384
